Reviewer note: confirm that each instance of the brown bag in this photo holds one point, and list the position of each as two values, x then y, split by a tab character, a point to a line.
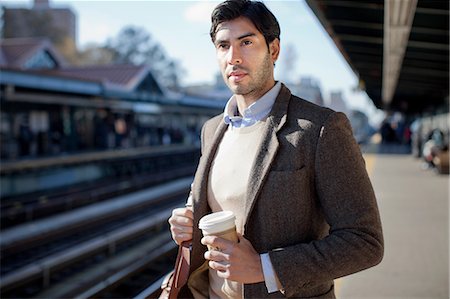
176	279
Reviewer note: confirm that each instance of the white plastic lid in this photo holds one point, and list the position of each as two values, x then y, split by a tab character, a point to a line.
217	222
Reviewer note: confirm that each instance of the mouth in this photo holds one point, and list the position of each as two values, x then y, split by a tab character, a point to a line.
236	76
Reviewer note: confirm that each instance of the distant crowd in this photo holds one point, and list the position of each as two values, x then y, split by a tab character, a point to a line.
103	131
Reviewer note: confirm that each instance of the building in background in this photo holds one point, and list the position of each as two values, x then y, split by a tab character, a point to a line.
57	24
30	53
337	103
50	107
307	88
218	90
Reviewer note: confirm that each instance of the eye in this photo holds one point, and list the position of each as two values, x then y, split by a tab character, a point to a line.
222	46
247	42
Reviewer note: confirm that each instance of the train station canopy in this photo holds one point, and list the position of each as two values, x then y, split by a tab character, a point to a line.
33	71
399	49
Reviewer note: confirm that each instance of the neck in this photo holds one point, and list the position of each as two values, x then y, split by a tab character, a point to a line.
245	100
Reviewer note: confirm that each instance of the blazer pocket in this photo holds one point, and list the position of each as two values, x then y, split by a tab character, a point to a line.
287	171
287	180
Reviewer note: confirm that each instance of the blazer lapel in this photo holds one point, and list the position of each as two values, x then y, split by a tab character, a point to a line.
200	186
267	151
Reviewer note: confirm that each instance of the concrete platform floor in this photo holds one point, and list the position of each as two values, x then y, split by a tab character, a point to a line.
414	207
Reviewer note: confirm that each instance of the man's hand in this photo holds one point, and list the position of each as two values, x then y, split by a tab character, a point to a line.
234	261
181	224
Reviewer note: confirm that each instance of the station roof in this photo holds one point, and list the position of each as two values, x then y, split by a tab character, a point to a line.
126	77
126	86
17	52
38	56
402	60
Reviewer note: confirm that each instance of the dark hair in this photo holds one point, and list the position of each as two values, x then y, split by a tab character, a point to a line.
255	11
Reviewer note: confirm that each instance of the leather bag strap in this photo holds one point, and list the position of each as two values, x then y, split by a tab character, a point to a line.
181	271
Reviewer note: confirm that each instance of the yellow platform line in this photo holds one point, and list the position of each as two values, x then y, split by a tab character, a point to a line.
370	163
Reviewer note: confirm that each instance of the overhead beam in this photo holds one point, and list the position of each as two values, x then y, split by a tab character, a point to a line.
357	24
361	58
429	65
398	19
409	82
360	38
427	56
432	11
378	26
364	50
432	31
354	4
428	45
409	88
409	77
366	65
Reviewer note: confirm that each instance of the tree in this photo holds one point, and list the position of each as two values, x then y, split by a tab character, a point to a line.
96	54
134	45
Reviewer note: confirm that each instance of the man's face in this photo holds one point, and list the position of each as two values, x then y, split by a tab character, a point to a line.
244	59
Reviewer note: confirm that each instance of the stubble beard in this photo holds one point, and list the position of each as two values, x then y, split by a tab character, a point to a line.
259	79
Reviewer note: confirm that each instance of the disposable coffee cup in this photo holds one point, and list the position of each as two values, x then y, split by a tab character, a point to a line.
221	224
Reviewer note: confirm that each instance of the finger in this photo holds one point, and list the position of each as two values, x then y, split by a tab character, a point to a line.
185	221
217	256
216	242
184	237
218	266
176	232
179	238
224	274
185	212
181	220
182	229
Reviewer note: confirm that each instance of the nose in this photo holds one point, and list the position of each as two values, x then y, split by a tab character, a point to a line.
234	56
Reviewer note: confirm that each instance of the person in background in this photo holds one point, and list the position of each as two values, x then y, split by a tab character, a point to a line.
290	171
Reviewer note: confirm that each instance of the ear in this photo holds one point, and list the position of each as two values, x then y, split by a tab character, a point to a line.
274	48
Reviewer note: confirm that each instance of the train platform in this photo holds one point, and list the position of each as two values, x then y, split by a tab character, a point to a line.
414	208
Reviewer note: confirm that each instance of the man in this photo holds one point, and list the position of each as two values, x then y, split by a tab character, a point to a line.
291	172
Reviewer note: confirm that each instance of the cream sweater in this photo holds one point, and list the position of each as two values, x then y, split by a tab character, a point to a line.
227	187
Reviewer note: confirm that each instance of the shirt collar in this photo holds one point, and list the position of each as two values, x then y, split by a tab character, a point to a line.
253	113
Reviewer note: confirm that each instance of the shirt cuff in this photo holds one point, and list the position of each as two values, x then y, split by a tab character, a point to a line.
270	277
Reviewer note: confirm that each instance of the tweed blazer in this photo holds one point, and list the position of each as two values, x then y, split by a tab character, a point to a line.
309	203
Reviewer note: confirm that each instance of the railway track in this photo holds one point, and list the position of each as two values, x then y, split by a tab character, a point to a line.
122	172
36	207
131	281
95	249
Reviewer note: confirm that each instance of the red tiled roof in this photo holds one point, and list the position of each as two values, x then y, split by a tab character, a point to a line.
120	74
16	51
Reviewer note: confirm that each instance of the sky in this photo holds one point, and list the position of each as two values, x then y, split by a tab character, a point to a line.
182	28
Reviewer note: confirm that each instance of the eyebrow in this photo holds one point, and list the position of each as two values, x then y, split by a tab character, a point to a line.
246	35
239	38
